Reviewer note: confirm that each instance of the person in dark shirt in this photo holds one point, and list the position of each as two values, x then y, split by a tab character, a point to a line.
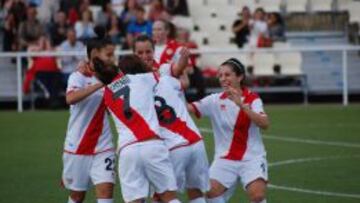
241	27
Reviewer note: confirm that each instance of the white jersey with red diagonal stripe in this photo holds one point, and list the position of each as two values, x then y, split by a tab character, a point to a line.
130	99
180	131
236	137
88	129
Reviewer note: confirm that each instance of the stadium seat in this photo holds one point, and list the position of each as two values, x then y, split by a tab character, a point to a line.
321	5
343	5
269	5
183	22
214	60
201	38
241	3
221	39
290	63
354	8
263	64
296	6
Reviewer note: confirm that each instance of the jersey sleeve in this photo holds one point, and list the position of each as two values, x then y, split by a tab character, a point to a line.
166	69
257	106
203	106
75	82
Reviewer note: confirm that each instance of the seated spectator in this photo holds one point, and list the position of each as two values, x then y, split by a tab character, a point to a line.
177	7
103	17
140	26
241	27
276	27
69	63
114	30
57	29
129	12
10	33
85	27
31	29
158	11
259	32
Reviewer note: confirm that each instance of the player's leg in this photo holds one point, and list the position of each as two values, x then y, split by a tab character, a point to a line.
76	176
254	177
223	175
197	174
103	176
133	180
159	170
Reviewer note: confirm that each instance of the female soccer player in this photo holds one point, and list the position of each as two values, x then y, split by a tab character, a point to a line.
236	116
88	149
143	156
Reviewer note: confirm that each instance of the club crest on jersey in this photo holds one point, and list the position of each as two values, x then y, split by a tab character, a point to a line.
223	107
118	84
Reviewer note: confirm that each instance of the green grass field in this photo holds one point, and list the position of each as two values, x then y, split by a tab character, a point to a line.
313	152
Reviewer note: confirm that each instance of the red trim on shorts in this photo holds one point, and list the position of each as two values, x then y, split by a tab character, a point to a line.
241	130
99	152
184	145
137	124
93	132
197	112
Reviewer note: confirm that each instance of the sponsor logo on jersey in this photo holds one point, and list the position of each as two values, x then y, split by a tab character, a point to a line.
118	84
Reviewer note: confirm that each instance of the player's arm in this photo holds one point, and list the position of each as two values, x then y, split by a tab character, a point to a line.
260	119
76	96
183	62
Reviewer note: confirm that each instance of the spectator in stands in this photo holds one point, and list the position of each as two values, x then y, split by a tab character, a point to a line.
241	27
31	29
114	30
70	7
276	27
258	28
85	28
103	17
129	12
177	7
10	33
58	29
140	26
158	11
45	70
69	63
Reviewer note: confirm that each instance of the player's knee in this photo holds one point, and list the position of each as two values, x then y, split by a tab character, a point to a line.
167	196
77	197
194	193
257	197
104	191
216	190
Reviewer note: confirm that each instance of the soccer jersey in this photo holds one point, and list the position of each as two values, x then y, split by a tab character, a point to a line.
167	53
88	129
236	136
176	125
130	99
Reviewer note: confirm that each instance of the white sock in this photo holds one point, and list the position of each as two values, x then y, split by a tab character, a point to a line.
105	200
263	201
71	200
174	201
198	200
219	199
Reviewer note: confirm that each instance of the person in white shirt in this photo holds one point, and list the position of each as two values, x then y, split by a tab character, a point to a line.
69	63
258	28
88	149
236	115
143	156
177	128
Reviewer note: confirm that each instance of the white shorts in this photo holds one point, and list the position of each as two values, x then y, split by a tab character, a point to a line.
191	167
80	170
142	165
228	172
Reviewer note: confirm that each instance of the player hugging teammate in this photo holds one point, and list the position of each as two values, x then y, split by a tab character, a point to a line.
160	150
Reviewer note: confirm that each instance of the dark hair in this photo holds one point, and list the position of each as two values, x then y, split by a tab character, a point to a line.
143	38
96	44
132	64
278	18
172	30
237	67
105	72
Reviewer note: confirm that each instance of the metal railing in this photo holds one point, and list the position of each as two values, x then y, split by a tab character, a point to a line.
342	48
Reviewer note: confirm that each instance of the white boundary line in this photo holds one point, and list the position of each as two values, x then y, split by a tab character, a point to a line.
302	160
298	140
315	192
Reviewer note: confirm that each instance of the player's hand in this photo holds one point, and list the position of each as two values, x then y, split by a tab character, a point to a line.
234	95
184	54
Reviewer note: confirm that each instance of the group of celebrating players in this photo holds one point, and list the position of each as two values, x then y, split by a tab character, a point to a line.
160	149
